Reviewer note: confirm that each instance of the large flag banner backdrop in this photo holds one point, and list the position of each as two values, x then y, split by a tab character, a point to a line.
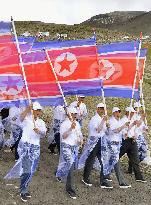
115	84
123	53
75	63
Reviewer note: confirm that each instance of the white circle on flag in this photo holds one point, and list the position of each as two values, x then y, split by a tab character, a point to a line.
110	71
65	64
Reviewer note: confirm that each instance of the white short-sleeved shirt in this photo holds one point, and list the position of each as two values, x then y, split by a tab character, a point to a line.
136	116
29	135
115	124
59	113
73	136
81	110
130	132
139	130
94	124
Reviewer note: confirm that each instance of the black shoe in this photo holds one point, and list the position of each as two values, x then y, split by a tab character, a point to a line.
23	197
72	194
28	195
106	185
108	178
141	180
87	182
124	186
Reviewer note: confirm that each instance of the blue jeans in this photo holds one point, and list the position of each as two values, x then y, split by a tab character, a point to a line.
26	165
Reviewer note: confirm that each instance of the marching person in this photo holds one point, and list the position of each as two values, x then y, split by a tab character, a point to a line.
92	149
114	143
129	144
140	131
71	138
81	108
29	148
13	124
59	115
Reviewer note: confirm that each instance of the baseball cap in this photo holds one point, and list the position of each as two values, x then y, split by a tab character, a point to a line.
115	109
72	110
137	104
100	105
37	106
81	96
129	109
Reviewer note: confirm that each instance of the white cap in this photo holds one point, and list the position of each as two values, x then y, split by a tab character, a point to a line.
37	106
115	109
100	105
129	109
81	96
72	110
137	104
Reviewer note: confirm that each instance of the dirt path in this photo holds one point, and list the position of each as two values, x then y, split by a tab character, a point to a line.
46	190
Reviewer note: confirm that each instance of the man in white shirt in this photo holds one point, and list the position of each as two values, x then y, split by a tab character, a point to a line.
81	108
129	144
70	138
59	115
34	128
140	131
92	149
115	139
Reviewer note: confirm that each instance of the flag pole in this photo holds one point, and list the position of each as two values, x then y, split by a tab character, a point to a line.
136	73
141	92
102	90
143	102
22	67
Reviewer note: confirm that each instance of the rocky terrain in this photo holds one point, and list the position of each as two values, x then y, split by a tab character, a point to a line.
132	22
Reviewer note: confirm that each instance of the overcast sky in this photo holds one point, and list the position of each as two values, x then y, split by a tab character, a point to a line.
66	11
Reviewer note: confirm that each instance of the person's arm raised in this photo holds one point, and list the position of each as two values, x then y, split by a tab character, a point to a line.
66	134
25	112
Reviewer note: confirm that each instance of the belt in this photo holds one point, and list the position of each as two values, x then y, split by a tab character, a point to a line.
114	143
130	138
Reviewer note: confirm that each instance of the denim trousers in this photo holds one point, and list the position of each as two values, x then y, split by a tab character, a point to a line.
26	165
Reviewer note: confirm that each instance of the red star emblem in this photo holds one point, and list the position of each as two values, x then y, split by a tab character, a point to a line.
11	83
65	64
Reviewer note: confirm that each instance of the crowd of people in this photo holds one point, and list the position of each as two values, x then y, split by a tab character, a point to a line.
109	138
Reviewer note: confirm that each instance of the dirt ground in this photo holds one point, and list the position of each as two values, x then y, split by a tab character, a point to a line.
45	190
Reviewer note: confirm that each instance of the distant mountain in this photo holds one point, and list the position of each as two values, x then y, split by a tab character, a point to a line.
132	22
